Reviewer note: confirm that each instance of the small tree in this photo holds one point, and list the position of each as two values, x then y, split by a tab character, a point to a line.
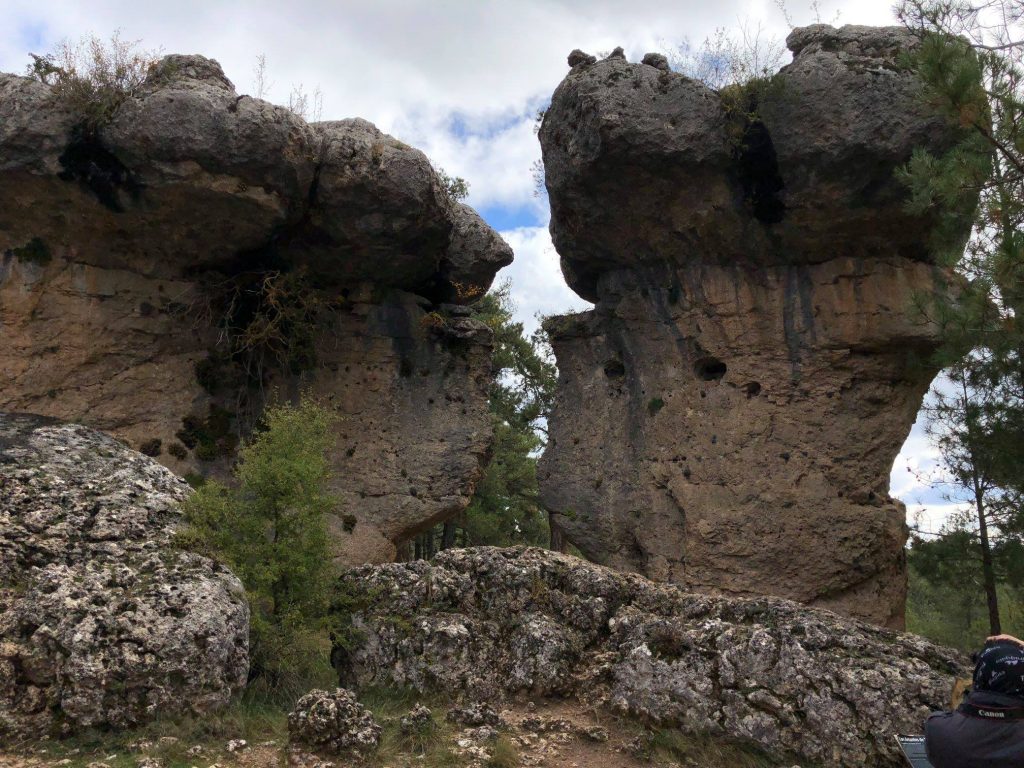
270	528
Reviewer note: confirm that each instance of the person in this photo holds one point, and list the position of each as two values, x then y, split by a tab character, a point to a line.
987	729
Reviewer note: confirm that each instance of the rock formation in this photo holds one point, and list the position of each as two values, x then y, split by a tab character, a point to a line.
729	412
799	682
333	723
164	273
102	621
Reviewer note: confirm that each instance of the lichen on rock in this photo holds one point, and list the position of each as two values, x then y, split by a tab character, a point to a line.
103	623
798	682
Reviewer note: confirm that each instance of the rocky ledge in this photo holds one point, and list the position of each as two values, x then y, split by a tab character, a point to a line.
102	621
798	682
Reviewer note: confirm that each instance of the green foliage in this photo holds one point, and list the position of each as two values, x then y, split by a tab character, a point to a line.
970	60
250	717
270	529
456	187
92	77
35	251
504	754
946	597
672	746
505	509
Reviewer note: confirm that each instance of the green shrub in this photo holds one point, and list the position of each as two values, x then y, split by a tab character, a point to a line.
270	528
456	187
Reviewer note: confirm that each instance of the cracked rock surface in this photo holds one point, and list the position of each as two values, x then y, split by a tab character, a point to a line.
102	622
801	683
132	254
728	414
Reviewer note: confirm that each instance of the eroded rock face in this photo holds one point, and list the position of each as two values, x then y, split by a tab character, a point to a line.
135	259
729	412
102	621
801	683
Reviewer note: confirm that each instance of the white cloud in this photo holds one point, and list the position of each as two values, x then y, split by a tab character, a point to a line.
537	284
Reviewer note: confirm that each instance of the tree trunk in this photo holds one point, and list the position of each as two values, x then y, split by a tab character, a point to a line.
448	535
987	569
557	537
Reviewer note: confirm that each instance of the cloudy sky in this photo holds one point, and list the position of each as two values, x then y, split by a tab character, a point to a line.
460	79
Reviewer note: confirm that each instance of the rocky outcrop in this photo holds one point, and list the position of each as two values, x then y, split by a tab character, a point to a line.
102	622
163	274
728	414
334	723
798	682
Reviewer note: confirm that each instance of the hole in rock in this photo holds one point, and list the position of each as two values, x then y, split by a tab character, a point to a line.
758	169
614	369
709	369
752	388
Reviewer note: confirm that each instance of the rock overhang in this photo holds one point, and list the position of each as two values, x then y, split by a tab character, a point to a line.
647	166
190	176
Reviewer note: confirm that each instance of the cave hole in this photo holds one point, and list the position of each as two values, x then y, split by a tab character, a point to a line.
614	369
709	369
758	170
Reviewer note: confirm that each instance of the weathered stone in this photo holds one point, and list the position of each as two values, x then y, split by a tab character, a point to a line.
419	719
657	60
333	723
728	414
132	256
102	621
797	681
577	57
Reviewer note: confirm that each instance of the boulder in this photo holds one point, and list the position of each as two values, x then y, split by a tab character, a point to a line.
333	723
802	684
164	275
103	622
728	414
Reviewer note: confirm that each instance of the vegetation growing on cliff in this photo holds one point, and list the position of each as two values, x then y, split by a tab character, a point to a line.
92	77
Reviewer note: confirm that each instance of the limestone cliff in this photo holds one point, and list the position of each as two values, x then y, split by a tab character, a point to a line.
728	413
164	274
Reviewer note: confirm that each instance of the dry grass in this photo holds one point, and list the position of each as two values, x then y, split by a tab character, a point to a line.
94	77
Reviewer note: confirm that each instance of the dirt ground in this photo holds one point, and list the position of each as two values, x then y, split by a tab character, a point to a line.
543	734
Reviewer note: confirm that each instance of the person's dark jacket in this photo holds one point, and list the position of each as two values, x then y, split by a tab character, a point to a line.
969	738
960	740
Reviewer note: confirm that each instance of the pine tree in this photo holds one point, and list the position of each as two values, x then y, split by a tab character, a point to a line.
970	59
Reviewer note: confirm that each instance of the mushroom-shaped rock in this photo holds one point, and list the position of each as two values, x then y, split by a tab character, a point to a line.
728	415
162	271
103	623
798	168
